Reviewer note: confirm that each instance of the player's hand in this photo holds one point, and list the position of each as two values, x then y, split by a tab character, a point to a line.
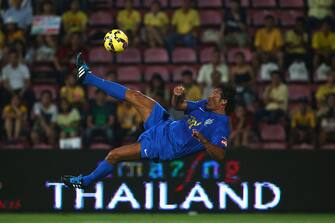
178	91
196	134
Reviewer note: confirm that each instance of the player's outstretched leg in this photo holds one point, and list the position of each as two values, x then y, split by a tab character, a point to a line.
123	153
142	103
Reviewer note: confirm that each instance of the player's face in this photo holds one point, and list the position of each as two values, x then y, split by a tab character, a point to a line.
214	100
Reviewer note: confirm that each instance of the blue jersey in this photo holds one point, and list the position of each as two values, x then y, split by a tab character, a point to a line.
166	139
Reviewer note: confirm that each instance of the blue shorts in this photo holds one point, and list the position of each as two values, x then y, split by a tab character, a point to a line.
154	140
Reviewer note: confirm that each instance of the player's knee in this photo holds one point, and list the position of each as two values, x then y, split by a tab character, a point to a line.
113	157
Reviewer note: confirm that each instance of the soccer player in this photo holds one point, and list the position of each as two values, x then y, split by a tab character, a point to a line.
205	128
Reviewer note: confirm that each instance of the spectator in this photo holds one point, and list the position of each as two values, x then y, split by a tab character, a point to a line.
268	40
323	44
101	118
72	92
185	22
23	14
68	120
275	98
317	11
63	60
234	29
16	79
303	124
192	90
2	37
156	22
20	47
158	90
12	32
326	89
206	70
47	8
45	49
14	116
296	43
129	20
129	121
74	20
241	121
326	117
242	77
44	117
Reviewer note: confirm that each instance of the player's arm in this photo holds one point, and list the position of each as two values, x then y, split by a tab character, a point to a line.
214	151
178	99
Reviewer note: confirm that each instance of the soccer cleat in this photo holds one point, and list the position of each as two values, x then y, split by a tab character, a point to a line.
73	181
82	67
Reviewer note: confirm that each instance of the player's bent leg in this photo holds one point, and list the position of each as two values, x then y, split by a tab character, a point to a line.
123	153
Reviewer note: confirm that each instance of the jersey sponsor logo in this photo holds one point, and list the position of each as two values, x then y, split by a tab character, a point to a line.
224	141
192	122
209	121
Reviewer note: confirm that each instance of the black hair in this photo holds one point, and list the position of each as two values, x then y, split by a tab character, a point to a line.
47	92
300	19
187	73
228	93
160	90
269	17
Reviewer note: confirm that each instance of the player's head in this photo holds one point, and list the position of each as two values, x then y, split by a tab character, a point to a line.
222	99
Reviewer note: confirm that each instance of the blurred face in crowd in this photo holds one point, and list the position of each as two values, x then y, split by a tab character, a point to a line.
14	59
240	111
16	3
101	97
299	25
70	81
331	100
47	8
156	81
234	5
75	41
216	78
185	4
46	99
11	27
187	79
269	22
303	105
129	4
75	6
239	59
155	7
216	57
325	27
64	106
15	102
331	77
275	79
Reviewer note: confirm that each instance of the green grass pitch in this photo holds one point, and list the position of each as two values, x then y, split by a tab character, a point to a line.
167	218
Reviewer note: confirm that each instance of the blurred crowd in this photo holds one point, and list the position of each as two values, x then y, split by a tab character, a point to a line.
270	61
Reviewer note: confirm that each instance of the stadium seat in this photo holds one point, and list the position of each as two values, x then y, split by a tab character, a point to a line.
178	70
303	146
184	55
246	51
328	146
300	79
131	55
100	55
38	89
156	55
129	73
121	3
175	3
263	3
164	3
211	17
288	17
162	70
257	16
274	145
298	91
18	146
291	3
42	146
101	18
244	3
272	132
100	70
210	4
99	146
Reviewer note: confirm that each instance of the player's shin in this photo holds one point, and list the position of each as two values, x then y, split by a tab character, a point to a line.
104	168
112	89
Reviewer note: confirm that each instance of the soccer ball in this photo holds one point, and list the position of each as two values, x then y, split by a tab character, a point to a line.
115	41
